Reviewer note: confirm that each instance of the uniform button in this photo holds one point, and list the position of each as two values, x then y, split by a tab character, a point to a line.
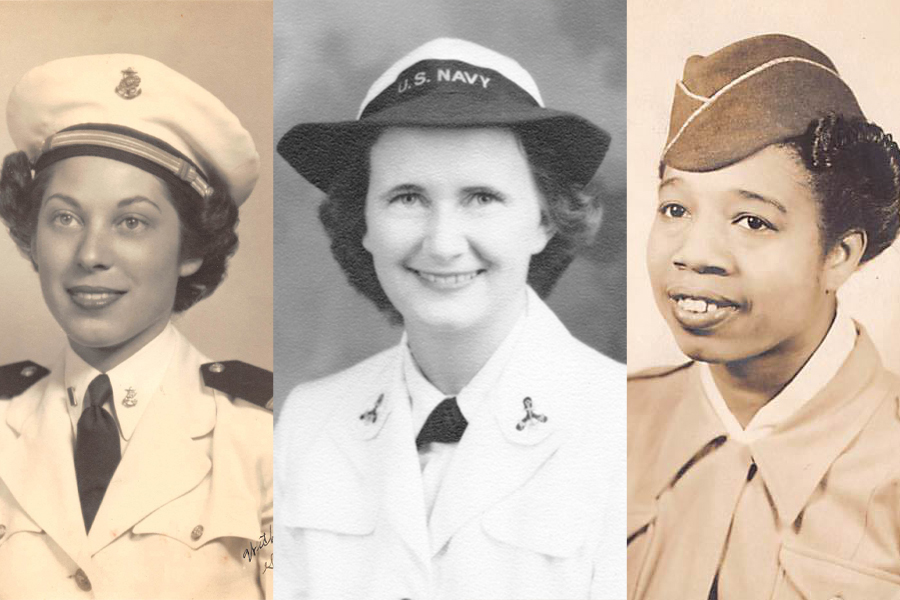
197	532
82	580
217	367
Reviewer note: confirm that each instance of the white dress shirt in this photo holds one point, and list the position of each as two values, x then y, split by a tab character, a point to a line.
134	382
434	458
821	368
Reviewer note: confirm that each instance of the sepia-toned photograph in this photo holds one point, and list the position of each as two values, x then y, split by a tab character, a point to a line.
450	314
136	385
763	313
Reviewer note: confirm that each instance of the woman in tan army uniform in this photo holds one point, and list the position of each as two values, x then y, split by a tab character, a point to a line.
769	467
125	471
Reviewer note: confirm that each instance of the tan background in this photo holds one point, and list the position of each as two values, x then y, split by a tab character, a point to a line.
227	48
863	42
329	53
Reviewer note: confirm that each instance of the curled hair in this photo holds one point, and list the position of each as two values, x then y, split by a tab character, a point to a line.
572	211
207	225
854	172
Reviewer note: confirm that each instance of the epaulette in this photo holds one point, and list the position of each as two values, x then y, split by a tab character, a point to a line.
17	377
658	371
240	380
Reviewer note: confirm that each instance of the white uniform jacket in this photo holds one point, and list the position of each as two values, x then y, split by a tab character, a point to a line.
523	514
192	492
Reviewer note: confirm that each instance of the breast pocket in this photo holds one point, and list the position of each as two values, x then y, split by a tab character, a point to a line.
807	574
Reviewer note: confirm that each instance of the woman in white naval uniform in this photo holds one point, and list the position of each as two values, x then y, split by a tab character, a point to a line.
136	467
483	456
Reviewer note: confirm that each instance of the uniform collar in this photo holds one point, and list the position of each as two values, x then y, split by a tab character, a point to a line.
821	368
134	382
424	396
795	456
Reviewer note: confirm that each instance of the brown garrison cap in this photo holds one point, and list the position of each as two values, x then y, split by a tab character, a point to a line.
753	93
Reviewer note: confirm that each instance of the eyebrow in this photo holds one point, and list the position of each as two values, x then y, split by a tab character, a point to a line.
136	200
403	187
760	198
122	203
668	181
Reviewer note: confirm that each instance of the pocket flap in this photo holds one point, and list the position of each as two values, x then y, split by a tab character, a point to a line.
816	575
558	531
13	520
191	521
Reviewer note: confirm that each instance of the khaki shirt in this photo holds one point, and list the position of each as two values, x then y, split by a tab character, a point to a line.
810	511
192	494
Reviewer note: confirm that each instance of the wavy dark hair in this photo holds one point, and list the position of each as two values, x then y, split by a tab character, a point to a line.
573	211
207	225
854	172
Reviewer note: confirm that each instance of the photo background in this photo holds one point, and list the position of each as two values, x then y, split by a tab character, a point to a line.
226	48
329	53
863	43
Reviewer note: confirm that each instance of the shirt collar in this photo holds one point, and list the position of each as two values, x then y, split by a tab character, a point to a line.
134	381
424	396
821	368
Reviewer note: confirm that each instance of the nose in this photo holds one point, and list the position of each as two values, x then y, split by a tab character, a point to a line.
703	249
94	252
445	236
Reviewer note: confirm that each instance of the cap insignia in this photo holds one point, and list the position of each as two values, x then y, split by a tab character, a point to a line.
130	86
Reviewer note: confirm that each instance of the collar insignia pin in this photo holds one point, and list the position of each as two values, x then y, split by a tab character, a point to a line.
530	416
130	86
370	416
130	398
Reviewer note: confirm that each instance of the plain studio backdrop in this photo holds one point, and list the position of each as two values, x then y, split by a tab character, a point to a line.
327	54
226	47
861	40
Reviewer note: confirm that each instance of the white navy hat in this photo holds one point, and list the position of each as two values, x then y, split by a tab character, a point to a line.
137	110
447	83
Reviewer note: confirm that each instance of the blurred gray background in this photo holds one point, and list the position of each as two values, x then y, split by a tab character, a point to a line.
327	54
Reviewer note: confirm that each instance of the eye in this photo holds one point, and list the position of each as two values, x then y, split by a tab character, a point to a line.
483	198
672	210
754	223
406	198
64	220
133	223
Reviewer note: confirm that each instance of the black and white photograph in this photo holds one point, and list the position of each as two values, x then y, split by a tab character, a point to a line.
136	387
450	309
763	314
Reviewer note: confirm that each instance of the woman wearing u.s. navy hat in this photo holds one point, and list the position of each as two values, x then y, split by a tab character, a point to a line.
768	467
483	455
134	466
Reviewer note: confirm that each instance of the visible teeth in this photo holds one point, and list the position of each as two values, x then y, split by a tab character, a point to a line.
696	305
448	279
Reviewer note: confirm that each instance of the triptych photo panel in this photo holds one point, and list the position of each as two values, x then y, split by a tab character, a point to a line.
457	300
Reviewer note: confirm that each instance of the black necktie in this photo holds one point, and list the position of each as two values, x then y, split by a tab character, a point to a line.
445	424
97	451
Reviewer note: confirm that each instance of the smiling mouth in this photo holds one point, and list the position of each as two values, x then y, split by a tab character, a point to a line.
93	298
698	313
447	280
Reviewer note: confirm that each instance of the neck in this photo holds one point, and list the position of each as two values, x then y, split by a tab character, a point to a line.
450	358
107	358
749	384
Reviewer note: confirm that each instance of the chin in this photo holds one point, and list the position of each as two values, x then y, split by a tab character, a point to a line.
708	348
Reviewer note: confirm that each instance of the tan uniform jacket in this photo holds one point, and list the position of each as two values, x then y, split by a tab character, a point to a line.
520	514
810	512
193	492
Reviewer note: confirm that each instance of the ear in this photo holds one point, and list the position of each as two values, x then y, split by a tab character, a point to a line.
843	259
189	266
546	229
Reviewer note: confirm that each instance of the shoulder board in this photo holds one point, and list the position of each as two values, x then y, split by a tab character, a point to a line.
659	371
240	380
17	377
